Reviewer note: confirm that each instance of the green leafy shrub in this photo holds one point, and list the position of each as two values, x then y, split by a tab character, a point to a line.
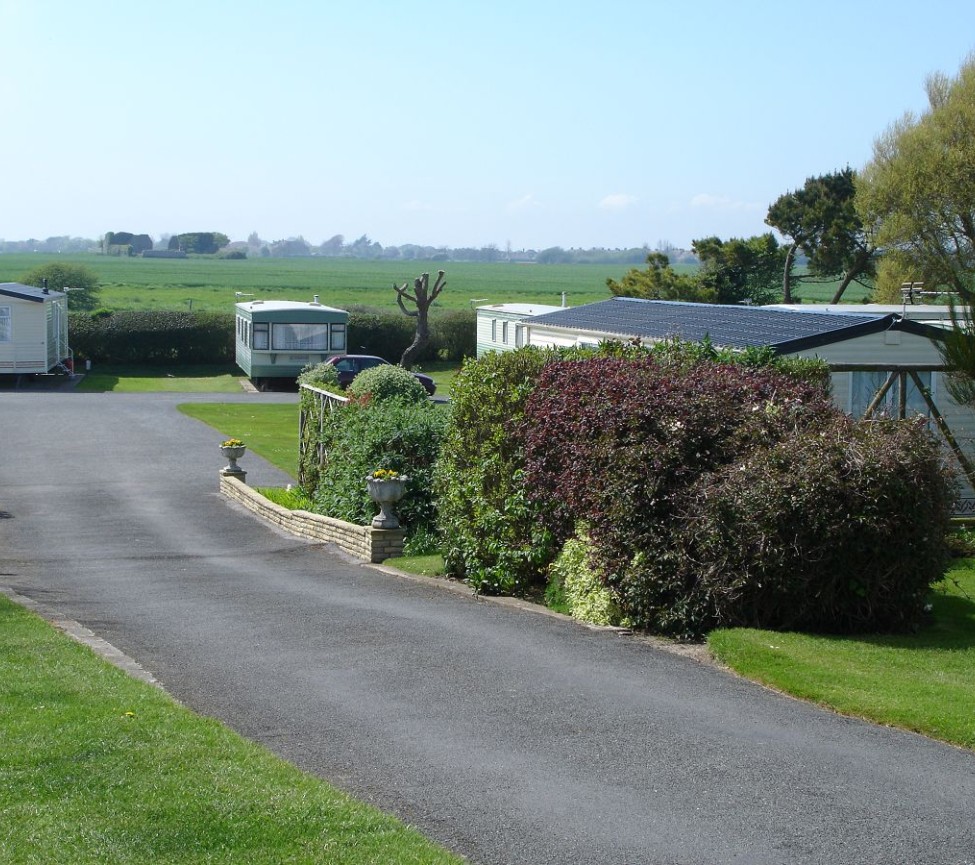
153	337
363	436
321	375
387	382
385	334
576	587
491	534
453	335
961	542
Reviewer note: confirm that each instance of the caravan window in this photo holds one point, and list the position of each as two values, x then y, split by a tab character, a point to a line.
337	342
260	335
866	385
6	324
299	337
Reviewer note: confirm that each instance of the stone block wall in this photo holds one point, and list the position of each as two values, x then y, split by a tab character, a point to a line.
363	542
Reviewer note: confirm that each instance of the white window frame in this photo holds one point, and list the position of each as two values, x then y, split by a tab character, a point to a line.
337	336
6	324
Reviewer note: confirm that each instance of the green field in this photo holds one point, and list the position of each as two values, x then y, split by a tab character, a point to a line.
212	284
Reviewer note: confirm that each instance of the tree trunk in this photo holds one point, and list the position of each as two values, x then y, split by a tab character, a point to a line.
790	257
420	340
855	270
423	298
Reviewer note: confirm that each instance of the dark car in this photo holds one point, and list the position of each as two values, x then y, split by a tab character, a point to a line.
350	365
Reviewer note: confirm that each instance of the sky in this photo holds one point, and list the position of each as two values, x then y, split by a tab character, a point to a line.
531	124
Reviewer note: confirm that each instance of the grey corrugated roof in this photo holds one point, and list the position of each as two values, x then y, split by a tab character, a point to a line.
785	330
26	292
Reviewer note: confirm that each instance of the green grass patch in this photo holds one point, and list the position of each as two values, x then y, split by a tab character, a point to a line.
208	284
423	566
146	379
205	284
269	430
293	499
97	767
443	372
923	682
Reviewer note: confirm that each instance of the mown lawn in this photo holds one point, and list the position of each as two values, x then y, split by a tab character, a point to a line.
268	429
923	682
155	379
97	768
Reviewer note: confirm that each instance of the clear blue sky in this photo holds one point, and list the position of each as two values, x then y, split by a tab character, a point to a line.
533	123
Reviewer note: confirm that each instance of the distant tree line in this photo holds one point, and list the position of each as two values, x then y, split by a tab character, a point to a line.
58	244
365	248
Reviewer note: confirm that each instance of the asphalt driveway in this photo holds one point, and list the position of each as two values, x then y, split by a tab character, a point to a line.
509	736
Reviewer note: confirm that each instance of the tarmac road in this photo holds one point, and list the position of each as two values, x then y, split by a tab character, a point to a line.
509	736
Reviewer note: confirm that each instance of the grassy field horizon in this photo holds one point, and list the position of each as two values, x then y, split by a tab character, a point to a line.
212	284
209	284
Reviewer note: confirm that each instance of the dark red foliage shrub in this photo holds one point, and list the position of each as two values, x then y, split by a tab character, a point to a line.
661	460
842	529
617	442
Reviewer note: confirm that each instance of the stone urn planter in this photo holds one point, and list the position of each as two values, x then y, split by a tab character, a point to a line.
386	488
233	450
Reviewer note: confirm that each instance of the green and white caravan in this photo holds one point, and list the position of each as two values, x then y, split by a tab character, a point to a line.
278	338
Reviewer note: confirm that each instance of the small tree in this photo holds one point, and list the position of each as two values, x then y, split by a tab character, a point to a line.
82	280
821	222
422	298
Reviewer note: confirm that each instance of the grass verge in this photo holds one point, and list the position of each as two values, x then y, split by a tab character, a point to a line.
923	682
443	372
181	379
99	768
270	429
423	566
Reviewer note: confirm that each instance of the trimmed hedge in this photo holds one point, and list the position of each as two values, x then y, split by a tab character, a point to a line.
160	336
388	334
492	537
725	495
156	337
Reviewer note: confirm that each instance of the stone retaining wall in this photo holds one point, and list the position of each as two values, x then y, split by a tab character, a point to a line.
363	542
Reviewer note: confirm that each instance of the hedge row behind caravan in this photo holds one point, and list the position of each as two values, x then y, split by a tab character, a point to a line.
33	330
279	338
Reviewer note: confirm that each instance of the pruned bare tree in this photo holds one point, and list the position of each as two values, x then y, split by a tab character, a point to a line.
422	298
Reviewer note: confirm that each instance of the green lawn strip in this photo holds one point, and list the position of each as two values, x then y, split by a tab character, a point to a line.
424	566
179	379
269	430
923	682
97	767
442	372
